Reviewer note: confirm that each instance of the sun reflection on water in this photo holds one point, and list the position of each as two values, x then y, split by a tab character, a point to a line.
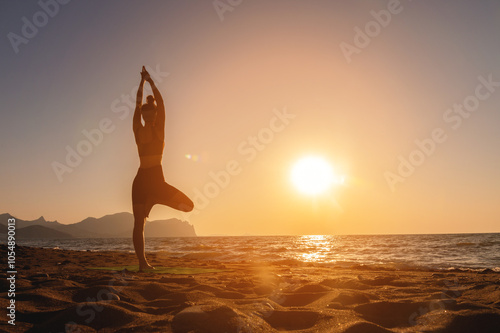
315	248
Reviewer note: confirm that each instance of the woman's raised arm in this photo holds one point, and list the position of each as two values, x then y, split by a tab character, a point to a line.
138	103
160	107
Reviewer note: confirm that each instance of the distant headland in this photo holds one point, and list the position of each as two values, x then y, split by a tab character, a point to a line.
117	225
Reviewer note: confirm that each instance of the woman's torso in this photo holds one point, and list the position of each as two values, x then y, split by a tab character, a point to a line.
150	146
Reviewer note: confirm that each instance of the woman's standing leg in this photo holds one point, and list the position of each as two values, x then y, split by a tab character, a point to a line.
138	236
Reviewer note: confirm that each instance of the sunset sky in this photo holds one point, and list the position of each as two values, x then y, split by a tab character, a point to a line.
250	89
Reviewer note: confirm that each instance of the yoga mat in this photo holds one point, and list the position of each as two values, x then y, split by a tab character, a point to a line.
161	269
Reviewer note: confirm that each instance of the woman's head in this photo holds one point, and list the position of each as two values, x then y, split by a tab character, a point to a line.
150	99
148	110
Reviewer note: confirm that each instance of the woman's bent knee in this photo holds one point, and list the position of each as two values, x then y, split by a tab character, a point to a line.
186	206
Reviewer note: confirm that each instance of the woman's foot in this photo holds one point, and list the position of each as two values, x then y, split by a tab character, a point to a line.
142	267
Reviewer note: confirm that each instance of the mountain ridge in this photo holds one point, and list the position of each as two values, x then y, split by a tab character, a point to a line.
118	225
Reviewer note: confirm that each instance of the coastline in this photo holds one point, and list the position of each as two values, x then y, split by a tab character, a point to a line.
54	291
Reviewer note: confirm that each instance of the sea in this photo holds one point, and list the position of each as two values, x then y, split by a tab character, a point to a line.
468	252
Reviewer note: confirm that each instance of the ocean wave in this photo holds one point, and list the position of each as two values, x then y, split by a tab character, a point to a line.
489	243
289	262
197	247
475	270
465	244
201	255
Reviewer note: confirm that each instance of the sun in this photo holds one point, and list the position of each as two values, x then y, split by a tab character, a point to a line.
313	175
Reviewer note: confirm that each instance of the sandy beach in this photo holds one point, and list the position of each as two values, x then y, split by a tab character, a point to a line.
55	292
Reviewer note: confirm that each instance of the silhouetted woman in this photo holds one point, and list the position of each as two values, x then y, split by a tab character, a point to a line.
149	186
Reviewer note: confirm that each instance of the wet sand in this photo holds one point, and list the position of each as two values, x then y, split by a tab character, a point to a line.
56	293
